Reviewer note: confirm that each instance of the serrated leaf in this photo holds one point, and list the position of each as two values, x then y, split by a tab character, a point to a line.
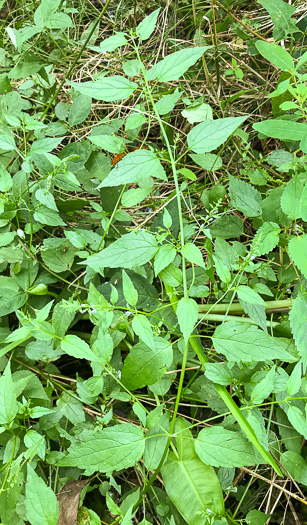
298	323
209	135
76	347
130	250
187	313
244	197
219	447
134	167
41	504
266	239
109	89
243	342
294	198
174	66
113	448
144	365
298	252
147	26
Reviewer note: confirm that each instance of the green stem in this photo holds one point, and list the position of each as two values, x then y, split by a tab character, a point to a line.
237	308
221	318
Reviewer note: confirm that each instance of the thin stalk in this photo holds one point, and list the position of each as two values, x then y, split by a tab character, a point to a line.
221	318
237	308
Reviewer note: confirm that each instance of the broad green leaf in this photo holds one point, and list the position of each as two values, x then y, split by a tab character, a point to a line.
8	401
144	365
227	227
301	61
219	447
192	486
130	293
174	66
298	252
109	89
167	102
130	250
34	441
28	65
295	380
143	330
298	419
58	254
193	254
110	143
256	517
134	167
164	257
298	323
11	254
41	504
19	36
209	135
5	179
45	215
187	313
111	44
46	15
294	198
76	347
266	239
280	13
7	141
197	113
79	110
103	347
296	466
256	312
264	388
244	197
277	55
45	145
219	373
282	129
171	275
243	342
245	293
134	120
147	26
113	448
11	296
208	161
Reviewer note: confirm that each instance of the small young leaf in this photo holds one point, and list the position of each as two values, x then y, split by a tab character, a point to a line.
147	26
142	328
129	290
187	313
295	380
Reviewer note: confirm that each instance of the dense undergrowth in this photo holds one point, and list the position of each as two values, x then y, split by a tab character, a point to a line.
153	258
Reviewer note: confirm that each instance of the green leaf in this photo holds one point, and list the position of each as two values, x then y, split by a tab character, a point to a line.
47	216
298	323
145	365
11	296
130	250
193	254
58	254
280	13
46	15
41	504
243	342
147	26
164	257
244	197
79	110
298	419
111	44
207	161
174	66
167	102
26	66
219	447
295	380
197	113
245	293
294	198
134	120
8	401
7	142
130	293
113	448
171	275
45	145
134	167
282	129
266	239
263	389
192	486
19	36
109	89
298	252
110	143
187	313
296	466
143	330
5	179
209	135
219	373
256	517
277	55
76	347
